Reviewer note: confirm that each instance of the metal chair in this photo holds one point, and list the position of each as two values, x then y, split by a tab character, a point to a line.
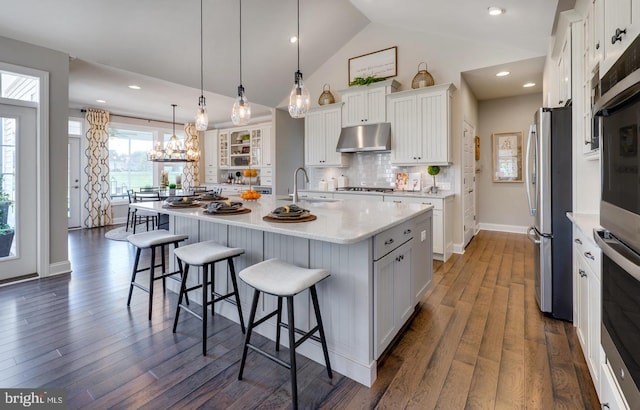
143	216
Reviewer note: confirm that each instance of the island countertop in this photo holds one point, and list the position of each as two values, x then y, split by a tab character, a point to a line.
341	222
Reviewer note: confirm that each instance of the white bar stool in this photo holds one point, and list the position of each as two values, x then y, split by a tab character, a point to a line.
152	240
282	279
206	254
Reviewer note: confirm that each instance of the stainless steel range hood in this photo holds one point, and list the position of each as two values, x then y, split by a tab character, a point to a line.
365	138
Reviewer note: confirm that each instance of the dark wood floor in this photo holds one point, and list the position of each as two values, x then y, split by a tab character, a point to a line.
478	341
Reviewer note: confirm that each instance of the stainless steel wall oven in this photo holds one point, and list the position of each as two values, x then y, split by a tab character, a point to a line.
619	112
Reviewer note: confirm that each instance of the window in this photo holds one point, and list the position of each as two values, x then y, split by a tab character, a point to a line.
128	164
19	87
75	127
172	169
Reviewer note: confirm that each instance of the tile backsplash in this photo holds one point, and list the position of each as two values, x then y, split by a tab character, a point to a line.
375	170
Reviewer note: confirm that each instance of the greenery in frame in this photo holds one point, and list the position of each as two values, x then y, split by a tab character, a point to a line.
365	80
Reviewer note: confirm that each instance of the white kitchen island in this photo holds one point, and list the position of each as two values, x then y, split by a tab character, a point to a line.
379	255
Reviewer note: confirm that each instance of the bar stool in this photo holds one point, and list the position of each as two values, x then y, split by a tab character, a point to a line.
206	254
282	279
153	240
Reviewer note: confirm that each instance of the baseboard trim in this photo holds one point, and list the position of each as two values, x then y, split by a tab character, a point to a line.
59	268
502	228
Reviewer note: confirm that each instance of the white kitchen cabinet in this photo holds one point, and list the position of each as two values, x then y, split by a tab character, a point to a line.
211	157
243	146
393	292
564	70
593	39
322	126
587	303
366	104
223	149
361	197
421	126
421	266
442	224
621	26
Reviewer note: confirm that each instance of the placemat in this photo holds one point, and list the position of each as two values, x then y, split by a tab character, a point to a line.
179	205
236	212
307	218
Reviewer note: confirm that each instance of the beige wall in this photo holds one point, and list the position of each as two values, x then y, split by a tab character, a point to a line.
503	205
57	65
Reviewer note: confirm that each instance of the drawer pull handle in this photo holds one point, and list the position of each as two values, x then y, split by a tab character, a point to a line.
588	255
578	241
582	273
426	203
389	241
407	232
395	201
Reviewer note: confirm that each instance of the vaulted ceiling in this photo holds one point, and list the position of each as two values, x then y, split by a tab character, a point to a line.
156	44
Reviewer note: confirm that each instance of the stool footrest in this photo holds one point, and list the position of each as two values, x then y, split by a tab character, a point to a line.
220	297
199	316
269	356
305	335
264	319
139	286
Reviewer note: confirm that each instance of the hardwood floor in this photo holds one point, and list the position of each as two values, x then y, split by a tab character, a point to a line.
478	341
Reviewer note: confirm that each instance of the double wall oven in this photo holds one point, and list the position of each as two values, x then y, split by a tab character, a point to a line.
618	110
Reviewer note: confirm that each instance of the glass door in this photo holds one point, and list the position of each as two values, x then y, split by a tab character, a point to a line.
18	205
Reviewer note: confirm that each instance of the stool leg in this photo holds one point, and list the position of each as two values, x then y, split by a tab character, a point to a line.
133	275
232	271
126	228
205	303
247	340
183	292
292	352
316	308
135	220
278	321
182	278
164	270
152	274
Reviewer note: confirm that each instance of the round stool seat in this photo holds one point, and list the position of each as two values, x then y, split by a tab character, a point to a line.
202	253
154	238
281	278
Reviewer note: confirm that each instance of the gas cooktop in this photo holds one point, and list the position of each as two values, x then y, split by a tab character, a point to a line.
365	189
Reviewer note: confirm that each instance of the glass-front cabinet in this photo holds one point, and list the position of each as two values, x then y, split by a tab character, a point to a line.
223	149
243	147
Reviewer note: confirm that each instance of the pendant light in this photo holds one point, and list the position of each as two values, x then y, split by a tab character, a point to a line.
299	99
241	111
202	119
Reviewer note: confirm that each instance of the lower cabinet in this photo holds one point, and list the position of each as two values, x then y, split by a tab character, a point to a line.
392	287
610	395
587	301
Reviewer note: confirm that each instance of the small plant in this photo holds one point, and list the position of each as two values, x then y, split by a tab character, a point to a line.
433	170
365	80
172	186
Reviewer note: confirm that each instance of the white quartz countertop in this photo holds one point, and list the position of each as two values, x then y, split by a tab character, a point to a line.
341	222
585	222
440	194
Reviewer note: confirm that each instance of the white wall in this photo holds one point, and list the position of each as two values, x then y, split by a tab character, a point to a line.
503	204
57	65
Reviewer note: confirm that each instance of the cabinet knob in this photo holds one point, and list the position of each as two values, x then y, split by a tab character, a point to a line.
618	35
582	273
578	241
598	45
588	255
407	232
560	102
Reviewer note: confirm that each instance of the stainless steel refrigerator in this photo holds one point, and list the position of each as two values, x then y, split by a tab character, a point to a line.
549	192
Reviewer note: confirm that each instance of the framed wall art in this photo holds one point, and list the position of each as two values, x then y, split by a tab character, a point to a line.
507	156
380	64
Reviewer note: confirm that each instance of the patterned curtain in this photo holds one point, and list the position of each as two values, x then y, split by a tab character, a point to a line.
97	205
191	170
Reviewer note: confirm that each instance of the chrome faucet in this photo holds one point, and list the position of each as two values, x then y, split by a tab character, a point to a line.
295	183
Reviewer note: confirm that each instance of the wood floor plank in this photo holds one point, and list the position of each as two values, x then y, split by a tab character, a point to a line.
538	384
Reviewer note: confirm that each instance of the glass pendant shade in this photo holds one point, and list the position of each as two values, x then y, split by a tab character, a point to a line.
241	111
299	99
202	119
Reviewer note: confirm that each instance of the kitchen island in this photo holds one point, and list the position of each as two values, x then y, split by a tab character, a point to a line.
379	255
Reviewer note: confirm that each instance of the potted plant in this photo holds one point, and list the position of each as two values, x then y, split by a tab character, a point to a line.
433	170
7	232
172	189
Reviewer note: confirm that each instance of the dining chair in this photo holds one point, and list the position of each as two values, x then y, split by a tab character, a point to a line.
130	211
143	216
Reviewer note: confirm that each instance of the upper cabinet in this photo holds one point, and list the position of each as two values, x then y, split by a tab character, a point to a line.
621	26
366	104
211	157
421	126
564	70
241	147
593	35
322	126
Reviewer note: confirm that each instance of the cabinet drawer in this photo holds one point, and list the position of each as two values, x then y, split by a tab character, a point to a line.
387	241
436	202
586	248
266	172
266	181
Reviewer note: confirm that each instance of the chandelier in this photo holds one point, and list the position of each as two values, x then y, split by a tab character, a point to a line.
173	151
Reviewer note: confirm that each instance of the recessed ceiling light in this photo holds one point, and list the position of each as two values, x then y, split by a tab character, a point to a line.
101	101
495	11
502	73
293	39
527	85
135	87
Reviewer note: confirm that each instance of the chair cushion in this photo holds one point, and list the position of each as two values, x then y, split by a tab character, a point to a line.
205	252
153	238
281	278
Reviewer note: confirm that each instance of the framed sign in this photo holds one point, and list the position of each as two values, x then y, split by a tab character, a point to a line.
507	156
381	64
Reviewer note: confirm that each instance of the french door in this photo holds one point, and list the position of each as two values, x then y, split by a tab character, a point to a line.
18	234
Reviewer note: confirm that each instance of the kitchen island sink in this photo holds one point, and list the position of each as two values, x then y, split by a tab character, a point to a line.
379	255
